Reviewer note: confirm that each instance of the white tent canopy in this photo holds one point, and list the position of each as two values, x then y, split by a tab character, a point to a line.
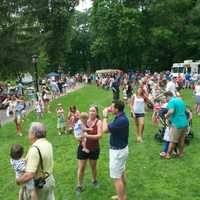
106	71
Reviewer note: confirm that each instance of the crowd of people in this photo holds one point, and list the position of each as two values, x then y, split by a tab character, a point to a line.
141	91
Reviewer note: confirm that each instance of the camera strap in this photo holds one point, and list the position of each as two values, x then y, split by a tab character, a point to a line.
45	174
41	161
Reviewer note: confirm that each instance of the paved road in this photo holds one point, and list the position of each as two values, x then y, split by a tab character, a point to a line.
4	119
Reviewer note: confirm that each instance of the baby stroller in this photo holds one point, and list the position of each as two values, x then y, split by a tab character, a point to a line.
163	125
189	135
161	115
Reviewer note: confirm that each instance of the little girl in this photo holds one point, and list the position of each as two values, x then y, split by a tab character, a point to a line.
80	128
39	108
60	119
19	164
72	118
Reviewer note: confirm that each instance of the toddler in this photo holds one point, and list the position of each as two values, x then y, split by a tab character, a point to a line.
19	164
80	128
39	108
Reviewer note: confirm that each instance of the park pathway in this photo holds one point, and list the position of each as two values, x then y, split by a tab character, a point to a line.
4	119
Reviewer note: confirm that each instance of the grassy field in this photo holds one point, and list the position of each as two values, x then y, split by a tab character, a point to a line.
149	176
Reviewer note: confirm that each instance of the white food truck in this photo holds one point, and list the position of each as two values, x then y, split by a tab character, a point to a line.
188	66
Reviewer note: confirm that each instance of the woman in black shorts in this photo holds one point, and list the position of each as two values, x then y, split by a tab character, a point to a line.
92	144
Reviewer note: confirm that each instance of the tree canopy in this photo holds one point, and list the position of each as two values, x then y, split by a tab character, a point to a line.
127	34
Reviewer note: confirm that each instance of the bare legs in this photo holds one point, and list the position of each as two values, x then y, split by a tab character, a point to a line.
119	184
139	122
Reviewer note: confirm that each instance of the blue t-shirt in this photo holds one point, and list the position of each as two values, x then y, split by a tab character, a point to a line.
119	131
178	118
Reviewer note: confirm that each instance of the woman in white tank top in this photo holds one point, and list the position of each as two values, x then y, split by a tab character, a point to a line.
197	97
137	110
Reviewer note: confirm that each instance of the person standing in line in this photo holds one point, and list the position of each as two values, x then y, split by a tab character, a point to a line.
118	153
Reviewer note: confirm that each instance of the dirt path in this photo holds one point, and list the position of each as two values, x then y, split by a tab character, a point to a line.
4	119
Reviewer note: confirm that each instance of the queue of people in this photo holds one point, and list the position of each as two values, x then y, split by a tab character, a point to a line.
88	129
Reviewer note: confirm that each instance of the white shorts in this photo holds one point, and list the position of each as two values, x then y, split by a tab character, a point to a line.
117	162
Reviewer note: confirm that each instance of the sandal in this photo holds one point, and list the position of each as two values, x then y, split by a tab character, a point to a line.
180	155
167	157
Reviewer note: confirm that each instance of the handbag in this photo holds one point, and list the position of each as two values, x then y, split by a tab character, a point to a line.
41	181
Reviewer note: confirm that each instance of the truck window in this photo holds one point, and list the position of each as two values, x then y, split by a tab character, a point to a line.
199	69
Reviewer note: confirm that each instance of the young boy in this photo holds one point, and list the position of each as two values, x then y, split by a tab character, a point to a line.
19	164
80	128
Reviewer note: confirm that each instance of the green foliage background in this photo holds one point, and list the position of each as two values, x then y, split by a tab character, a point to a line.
127	34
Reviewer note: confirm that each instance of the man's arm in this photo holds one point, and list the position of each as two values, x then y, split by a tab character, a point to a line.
105	121
33	160
25	177
105	125
169	113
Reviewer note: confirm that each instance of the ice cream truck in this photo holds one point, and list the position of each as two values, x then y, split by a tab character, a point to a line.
188	66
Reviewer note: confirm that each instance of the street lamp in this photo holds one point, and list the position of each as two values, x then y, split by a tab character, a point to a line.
34	62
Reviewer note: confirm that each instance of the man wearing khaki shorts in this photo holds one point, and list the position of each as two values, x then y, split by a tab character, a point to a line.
118	152
179	122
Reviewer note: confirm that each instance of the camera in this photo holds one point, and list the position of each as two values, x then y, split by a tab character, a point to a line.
39	182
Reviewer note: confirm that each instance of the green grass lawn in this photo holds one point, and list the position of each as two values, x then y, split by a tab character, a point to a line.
149	176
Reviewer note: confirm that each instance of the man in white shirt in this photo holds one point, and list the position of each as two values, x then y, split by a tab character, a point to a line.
171	86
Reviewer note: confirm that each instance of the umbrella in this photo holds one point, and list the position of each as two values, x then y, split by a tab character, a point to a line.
52	74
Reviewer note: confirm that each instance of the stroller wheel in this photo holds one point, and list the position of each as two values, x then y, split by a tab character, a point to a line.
191	134
187	140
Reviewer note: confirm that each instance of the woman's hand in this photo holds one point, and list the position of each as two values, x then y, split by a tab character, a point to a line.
88	129
85	135
17	181
132	114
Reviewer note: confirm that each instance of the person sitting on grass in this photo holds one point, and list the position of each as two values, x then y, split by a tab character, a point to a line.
72	118
60	119
19	164
80	128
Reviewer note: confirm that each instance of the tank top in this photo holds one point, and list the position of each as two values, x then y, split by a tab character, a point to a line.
138	106
92	144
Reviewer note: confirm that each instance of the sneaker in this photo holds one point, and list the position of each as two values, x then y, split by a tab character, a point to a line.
95	184
79	189
162	154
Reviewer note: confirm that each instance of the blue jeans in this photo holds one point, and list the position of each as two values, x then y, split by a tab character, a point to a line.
165	146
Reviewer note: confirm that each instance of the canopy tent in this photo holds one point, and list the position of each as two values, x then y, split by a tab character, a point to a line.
51	74
27	78
105	71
